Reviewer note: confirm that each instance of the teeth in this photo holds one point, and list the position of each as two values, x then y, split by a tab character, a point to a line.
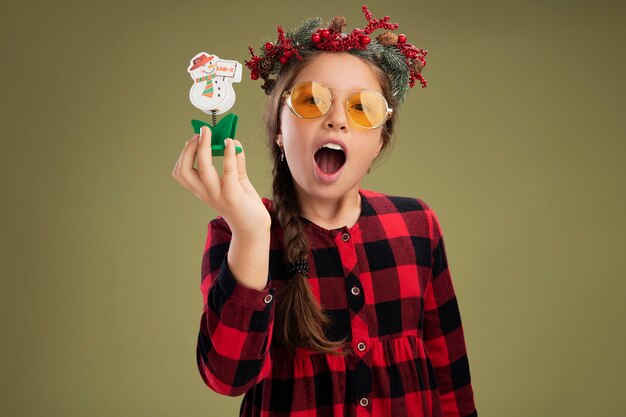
332	146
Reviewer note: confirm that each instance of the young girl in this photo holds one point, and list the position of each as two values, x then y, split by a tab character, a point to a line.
329	299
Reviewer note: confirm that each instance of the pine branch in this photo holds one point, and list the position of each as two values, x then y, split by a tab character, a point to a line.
302	33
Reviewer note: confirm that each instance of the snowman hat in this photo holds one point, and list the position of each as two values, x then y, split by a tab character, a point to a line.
200	60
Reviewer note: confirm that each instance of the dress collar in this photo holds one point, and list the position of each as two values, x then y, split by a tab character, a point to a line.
343	229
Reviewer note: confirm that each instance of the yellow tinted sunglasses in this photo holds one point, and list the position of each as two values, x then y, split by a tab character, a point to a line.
311	99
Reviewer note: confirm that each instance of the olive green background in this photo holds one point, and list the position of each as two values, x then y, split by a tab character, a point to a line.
517	143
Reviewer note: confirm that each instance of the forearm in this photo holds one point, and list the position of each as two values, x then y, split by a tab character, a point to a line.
248	259
236	326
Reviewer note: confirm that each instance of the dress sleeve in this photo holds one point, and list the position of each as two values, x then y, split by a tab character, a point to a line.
237	322
443	334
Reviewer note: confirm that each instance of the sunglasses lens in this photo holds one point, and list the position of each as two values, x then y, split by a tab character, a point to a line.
310	99
367	109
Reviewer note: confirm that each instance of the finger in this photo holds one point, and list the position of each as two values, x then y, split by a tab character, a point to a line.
243	175
241	162
181	156
206	170
231	174
186	174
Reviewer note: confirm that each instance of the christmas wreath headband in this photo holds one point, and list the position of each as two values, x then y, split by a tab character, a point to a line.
402	61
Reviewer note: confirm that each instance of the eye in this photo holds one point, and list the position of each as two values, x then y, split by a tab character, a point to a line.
360	107
314	100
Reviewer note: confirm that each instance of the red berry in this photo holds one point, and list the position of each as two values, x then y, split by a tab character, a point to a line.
365	39
325	33
288	53
401	38
315	37
268	46
254	76
283	60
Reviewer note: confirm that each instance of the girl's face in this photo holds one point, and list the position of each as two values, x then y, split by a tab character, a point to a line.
343	73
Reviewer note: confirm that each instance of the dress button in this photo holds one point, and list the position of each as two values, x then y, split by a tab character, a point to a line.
268	298
345	237
363	401
361	346
356	290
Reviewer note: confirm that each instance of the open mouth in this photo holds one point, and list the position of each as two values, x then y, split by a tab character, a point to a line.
330	160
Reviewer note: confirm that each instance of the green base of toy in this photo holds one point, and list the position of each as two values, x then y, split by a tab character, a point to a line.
224	129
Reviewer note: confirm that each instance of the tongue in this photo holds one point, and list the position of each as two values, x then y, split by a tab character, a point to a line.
329	160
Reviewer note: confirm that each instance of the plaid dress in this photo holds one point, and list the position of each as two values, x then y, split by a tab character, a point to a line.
386	285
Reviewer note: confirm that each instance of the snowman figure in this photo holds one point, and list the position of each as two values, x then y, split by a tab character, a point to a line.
212	91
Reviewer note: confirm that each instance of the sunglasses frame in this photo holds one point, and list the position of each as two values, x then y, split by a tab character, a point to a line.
287	96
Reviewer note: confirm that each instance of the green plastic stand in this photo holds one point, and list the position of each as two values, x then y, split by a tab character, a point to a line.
224	129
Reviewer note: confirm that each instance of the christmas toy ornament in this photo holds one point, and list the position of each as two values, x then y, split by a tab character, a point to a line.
213	93
402	61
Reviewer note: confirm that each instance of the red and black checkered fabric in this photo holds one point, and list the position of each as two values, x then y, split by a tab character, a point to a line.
385	283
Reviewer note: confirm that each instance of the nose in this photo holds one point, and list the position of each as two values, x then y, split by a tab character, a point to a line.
336	115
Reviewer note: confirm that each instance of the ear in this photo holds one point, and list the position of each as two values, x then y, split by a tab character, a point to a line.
279	139
380	146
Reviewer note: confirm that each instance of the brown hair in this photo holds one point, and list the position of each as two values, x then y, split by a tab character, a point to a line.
299	317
